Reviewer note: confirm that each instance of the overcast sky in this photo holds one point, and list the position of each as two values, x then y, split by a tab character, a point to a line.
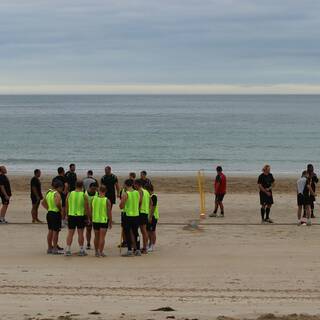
159	46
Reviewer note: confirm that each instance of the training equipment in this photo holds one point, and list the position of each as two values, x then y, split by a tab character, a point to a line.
202	194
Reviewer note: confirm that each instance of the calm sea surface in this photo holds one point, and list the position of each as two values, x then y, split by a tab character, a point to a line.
169	134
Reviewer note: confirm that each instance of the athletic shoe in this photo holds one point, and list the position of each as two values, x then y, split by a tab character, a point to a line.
150	249
213	215
68	253
82	253
49	251
3	221
97	254
129	253
269	220
102	255
137	253
88	247
57	252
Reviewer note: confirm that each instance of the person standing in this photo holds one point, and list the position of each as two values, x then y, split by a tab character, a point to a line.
89	180
130	203
5	193
76	205
71	177
152	219
101	216
53	204
63	180
110	181
144	180
314	181
301	184
265	183
36	195
220	189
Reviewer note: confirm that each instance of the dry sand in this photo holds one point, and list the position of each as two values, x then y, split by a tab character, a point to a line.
233	267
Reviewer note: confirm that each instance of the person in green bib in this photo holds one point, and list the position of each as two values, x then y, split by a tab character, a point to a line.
143	213
153	218
53	204
130	203
76	204
90	193
101	217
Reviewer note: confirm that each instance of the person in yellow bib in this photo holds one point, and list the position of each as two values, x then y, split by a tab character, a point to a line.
153	218
53	204
75	207
101	217
130	203
90	193
143	213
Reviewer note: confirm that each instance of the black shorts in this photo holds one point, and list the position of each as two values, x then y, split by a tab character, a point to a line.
132	222
143	219
63	199
99	225
265	199
151	226
54	221
76	222
111	197
219	197
300	199
4	200
35	200
123	217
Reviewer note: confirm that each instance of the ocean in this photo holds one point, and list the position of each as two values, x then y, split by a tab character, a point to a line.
165	134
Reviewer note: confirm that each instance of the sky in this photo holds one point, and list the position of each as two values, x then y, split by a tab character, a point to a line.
163	46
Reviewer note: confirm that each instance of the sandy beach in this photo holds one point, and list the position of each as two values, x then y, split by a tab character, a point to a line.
233	267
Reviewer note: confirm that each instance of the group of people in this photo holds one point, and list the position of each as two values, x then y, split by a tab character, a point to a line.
306	194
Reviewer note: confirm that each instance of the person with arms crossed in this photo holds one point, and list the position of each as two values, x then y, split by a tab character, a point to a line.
5	194
36	195
89	180
110	181
265	183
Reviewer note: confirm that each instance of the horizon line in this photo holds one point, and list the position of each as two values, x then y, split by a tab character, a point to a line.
161	89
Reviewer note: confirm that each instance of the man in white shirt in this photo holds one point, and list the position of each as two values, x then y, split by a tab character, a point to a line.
301	185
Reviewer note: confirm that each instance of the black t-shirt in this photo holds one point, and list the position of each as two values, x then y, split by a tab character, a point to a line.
266	180
36	184
146	182
4	181
154	200
72	180
62	179
110	182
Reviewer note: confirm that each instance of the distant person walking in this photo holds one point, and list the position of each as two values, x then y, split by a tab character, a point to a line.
110	181
144	180
5	193
220	189
89	180
314	181
36	195
266	182
71	177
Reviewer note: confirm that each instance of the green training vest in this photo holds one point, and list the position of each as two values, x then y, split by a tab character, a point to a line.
90	198
145	204
51	201
99	209
132	204
156	210
76	203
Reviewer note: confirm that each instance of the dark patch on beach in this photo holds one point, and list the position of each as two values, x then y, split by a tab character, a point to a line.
165	309
94	312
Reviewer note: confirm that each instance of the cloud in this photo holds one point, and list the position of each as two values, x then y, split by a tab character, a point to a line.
77	42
